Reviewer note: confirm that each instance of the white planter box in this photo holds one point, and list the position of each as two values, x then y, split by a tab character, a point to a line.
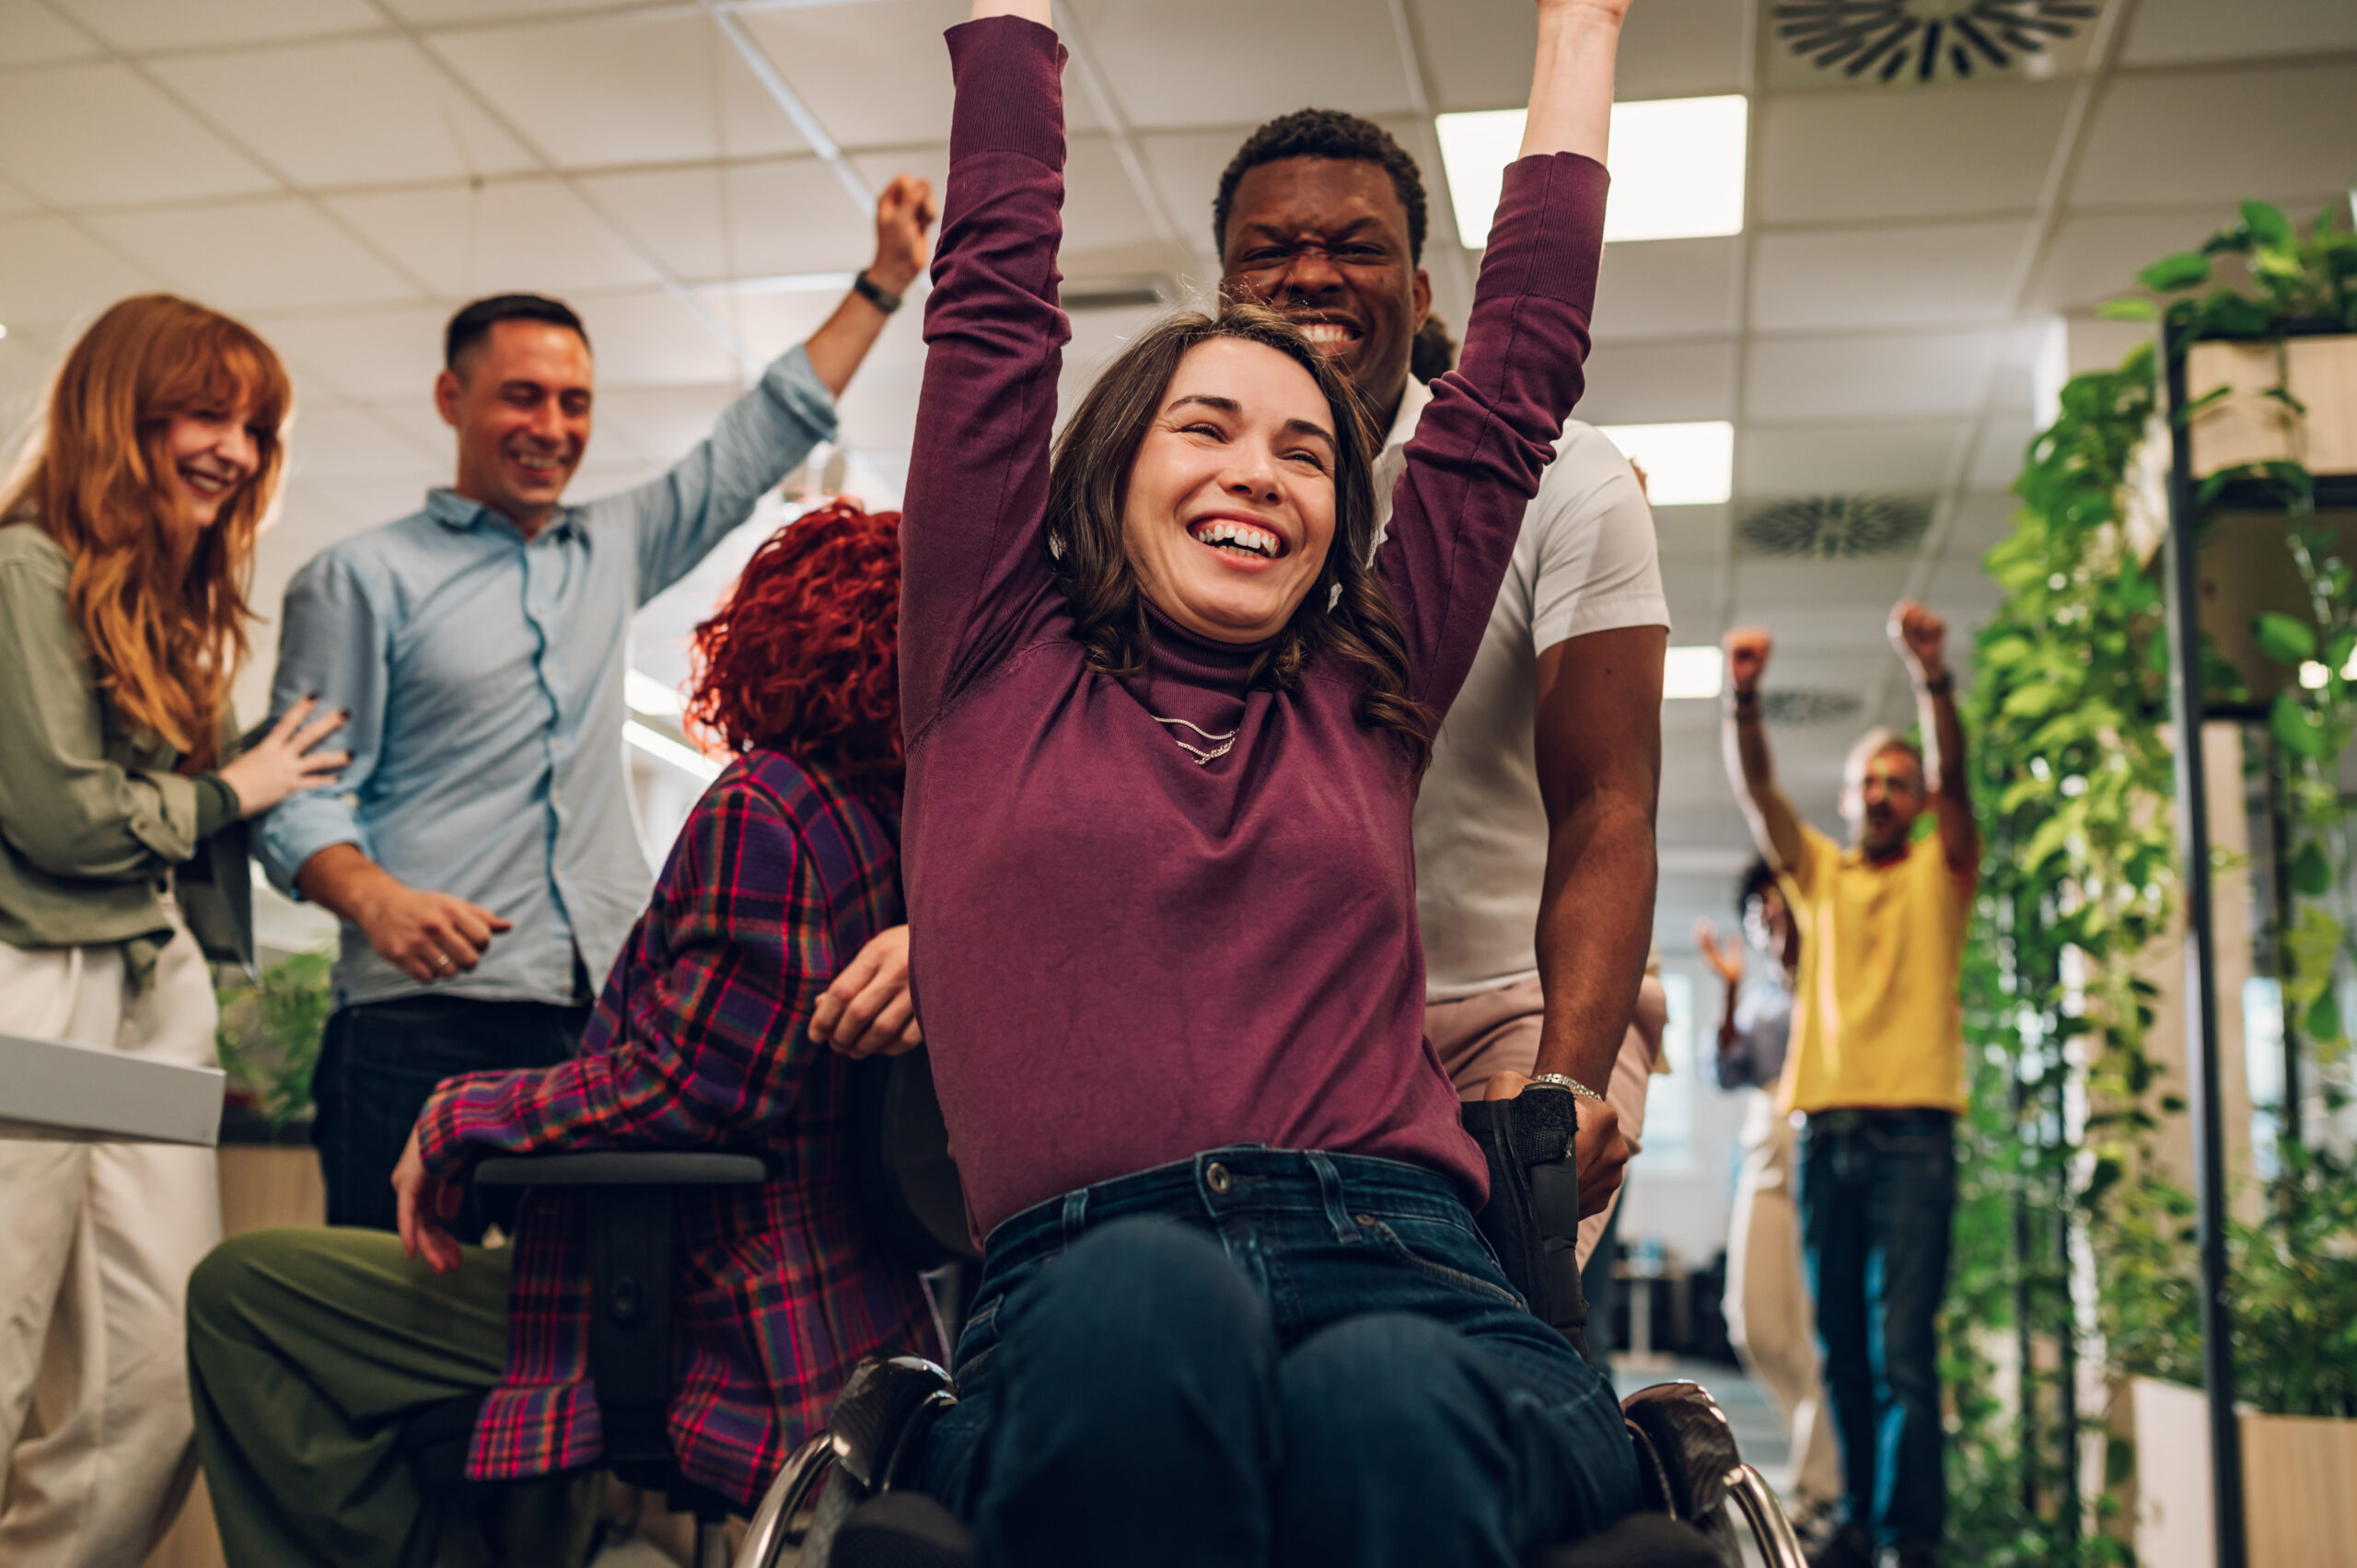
2299	1484
2246	426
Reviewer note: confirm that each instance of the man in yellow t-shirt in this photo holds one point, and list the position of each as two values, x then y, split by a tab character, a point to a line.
1875	1073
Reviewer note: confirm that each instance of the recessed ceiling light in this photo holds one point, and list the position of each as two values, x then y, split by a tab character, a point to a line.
794	283
1692	671
3	331
645	694
1678	166
1684	465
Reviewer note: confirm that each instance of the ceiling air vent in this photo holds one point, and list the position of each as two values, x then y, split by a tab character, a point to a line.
1926	40
1836	527
1807	704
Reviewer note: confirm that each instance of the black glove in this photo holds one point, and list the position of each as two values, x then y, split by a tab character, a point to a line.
1532	1220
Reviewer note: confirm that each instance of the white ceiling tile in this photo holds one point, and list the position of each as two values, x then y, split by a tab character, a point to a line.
1693	531
55	272
1102	208
659	423
1186	165
879	408
532	235
2218	135
356	112
635	88
1963	594
1839	459
676	212
141	24
1905	153
1476	54
2183	31
390	351
420	423
430	12
772	323
32	34
1654	383
1767	588
348	441
13	201
651	340
794	215
87	136
1997	461
2093	256
278	254
1885	277
876	74
1667	288
1895	377
1340	54
1982	519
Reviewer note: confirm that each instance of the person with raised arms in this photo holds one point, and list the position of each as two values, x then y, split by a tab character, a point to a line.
1166	711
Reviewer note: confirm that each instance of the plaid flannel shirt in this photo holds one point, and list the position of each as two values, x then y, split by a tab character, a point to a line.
700	1040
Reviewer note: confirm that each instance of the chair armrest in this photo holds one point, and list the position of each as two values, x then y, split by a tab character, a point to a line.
625	1168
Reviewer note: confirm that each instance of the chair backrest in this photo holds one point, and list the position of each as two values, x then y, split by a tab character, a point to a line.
907	1181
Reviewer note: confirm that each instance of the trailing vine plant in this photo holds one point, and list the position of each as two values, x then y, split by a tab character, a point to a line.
2065	1226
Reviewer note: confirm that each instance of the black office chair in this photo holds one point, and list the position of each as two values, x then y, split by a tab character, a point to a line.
850	1497
906	1183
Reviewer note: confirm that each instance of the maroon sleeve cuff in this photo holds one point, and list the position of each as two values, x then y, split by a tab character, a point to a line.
1550	228
1009	75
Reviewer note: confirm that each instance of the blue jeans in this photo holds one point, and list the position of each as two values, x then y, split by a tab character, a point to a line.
1878	1195
378	1064
1259	1356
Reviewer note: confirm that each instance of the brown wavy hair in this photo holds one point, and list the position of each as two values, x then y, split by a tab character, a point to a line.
804	657
1358	626
161	603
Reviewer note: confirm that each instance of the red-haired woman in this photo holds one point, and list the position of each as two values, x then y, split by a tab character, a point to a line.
306	1345
126	543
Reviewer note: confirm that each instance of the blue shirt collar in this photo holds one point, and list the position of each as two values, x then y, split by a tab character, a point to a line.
456	511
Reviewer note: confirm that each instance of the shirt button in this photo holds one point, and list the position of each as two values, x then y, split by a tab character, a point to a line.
1215	1177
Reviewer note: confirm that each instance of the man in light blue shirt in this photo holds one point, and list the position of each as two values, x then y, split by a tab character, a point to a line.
481	852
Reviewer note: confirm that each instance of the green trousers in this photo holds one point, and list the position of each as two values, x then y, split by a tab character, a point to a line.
307	1348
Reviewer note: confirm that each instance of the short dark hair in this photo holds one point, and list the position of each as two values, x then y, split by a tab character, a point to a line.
1323	133
473	324
1758	878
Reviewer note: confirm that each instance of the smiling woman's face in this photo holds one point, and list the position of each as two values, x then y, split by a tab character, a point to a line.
1230	505
209	454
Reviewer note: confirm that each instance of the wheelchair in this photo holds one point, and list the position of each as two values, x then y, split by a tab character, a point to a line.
849	1497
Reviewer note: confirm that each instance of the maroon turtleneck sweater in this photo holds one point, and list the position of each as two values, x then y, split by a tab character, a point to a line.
1124	956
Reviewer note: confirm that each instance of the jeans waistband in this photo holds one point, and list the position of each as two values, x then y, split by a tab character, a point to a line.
1858	1119
1240	1179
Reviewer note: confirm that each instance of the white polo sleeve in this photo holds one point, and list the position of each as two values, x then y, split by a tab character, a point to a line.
1596	566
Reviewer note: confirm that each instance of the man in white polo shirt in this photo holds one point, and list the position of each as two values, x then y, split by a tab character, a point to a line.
1535	830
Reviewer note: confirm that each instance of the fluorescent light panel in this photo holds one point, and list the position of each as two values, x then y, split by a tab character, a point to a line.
663	749
1691	671
645	694
1678	166
1686	465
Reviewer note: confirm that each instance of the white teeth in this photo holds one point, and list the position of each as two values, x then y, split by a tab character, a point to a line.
1242	536
1325	332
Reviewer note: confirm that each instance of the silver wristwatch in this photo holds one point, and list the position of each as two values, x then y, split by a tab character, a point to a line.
1565	1081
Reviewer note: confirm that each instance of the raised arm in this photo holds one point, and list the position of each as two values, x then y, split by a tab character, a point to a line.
1490	430
1775	827
1921	638
974	571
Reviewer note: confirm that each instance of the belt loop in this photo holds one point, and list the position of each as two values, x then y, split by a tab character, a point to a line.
1330	1188
1075	1215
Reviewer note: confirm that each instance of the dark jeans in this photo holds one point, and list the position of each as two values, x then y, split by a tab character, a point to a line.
1877	1194
378	1064
1260	1356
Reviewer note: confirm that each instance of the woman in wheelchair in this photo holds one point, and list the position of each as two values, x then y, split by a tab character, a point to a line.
309	1347
1166	709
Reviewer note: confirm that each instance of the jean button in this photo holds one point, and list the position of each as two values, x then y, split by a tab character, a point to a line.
1215	1177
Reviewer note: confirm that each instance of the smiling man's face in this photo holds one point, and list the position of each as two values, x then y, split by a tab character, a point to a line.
520	403
1325	240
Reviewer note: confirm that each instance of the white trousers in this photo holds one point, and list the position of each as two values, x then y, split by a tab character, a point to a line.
1770	1317
97	1240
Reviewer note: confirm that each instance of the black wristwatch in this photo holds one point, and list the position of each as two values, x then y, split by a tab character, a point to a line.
868	290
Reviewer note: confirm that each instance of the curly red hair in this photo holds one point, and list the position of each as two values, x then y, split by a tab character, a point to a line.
804	656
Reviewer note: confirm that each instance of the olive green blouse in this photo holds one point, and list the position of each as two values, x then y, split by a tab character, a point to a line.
93	819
